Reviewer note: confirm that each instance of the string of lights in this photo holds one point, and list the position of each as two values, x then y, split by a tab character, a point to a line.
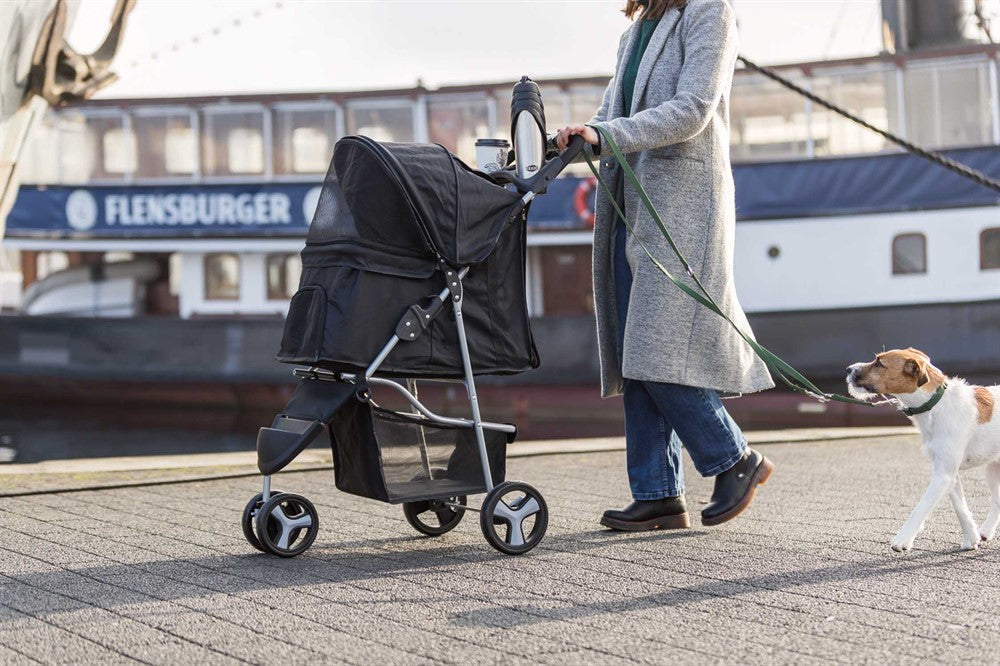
234	23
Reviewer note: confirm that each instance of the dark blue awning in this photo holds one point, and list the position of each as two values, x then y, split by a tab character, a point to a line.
859	185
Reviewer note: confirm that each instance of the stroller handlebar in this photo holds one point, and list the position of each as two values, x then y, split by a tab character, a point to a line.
536	184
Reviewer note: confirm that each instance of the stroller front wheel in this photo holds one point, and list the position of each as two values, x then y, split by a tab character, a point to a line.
421	515
514	517
249	514
286	524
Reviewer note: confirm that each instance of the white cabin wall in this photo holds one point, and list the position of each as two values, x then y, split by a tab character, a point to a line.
253	289
846	261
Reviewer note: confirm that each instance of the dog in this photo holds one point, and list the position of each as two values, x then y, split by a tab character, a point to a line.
959	427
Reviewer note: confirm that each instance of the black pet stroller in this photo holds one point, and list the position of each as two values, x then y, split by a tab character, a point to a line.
413	270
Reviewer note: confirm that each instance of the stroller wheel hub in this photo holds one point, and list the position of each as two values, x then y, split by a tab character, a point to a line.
514	517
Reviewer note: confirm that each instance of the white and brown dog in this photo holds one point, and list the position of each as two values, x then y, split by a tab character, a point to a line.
960	428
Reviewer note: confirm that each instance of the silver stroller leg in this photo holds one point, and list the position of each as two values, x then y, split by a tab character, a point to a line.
470	387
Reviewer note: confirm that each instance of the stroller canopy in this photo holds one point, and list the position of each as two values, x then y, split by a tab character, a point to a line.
414	197
387	216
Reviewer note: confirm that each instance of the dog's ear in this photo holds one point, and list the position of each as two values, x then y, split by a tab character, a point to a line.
919	353
915	367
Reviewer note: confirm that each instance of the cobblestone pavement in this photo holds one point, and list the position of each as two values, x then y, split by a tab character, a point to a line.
161	574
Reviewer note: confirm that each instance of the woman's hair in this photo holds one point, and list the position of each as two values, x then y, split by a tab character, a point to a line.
654	8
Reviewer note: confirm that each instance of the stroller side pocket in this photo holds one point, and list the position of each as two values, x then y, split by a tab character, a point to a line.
302	340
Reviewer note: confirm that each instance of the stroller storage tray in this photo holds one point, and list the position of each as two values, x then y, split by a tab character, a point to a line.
395	457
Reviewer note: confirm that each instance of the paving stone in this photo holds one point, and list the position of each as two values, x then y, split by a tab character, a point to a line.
805	576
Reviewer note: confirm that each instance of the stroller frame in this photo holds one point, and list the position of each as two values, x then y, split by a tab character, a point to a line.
286	524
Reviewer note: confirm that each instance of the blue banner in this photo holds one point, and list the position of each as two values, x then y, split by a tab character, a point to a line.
147	211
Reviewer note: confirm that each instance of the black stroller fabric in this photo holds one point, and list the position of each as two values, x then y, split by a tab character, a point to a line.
386	455
390	218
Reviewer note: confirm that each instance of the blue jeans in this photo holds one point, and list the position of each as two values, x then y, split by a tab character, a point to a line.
659	417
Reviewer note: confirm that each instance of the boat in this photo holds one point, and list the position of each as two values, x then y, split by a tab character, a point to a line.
845	243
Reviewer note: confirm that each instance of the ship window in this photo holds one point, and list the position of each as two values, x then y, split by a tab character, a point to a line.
311	150
989	249
47	263
909	254
457	123
584	102
222	276
283	271
246	151
111	146
119	151
76	148
168	144
39	163
381	121
767	120
233	143
866	93
948	104
304	139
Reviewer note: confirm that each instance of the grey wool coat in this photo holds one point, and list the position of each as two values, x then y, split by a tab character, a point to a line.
676	139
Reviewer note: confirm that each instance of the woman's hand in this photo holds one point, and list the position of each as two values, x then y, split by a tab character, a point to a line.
587	132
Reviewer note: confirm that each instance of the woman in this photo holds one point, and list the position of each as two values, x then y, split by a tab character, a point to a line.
667	108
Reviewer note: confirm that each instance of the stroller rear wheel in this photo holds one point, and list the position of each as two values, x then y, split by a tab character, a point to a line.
286	524
514	517
423	515
249	513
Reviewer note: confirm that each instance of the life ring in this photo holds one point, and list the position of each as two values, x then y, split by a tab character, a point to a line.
584	213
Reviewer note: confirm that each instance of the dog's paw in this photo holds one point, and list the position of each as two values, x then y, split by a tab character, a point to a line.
971	544
986	534
901	544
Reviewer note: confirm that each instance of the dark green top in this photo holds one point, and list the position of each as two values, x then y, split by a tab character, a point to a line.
646	28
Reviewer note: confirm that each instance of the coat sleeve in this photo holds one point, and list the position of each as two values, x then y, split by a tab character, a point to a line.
710	46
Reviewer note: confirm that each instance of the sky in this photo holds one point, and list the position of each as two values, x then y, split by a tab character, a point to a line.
191	47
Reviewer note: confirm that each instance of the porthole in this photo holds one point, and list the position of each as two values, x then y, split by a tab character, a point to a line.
774	252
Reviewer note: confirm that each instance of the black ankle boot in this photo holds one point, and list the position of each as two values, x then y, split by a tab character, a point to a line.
669	513
735	487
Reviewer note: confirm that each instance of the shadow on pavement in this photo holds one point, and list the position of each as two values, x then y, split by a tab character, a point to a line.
113	586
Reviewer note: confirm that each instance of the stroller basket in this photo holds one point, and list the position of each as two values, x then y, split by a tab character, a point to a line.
395	457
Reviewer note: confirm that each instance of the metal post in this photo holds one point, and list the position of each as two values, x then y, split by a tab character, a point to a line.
266	491
994	81
810	129
470	387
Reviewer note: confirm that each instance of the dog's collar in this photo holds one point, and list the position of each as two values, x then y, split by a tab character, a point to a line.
926	407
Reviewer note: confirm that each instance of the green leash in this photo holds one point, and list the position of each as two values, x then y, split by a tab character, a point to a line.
782	370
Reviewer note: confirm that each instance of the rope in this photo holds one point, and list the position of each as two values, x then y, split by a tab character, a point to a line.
930	155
